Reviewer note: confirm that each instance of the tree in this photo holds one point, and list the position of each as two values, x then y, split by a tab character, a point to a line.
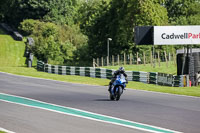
183	12
47	46
27	26
151	12
5	5
61	12
19	10
57	11
117	19
55	44
93	24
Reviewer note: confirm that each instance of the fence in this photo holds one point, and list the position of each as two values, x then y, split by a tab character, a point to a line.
145	77
129	59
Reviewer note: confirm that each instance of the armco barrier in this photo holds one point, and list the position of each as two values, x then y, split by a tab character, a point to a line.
181	81
153	76
165	79
40	66
70	70
145	77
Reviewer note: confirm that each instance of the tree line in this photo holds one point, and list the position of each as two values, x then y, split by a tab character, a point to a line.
73	32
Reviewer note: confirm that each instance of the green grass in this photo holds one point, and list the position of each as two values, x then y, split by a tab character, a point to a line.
171	69
11	51
67	78
2	132
16	64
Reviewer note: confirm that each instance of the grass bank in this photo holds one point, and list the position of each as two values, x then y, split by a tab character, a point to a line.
11	51
163	68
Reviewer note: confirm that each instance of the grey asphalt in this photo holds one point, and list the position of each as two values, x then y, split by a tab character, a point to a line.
30	120
173	112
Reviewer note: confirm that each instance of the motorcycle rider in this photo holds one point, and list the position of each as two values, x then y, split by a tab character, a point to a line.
118	72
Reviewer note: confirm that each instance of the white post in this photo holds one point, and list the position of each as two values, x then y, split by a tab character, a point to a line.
109	39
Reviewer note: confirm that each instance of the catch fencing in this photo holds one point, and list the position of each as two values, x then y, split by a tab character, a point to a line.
145	77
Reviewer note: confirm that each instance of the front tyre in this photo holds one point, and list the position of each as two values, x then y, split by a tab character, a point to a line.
118	93
112	97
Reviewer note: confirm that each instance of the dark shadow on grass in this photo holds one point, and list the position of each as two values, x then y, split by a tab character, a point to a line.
2	32
35	67
25	66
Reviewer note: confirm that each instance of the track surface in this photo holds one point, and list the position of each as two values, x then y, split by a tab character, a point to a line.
174	112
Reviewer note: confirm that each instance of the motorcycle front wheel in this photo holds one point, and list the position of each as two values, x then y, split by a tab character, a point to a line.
112	97
118	93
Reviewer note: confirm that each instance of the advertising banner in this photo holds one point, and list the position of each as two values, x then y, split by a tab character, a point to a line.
175	35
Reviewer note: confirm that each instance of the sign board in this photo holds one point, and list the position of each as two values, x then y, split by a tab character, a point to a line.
143	35
175	35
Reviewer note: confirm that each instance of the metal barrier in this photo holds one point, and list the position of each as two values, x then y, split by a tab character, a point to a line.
145	77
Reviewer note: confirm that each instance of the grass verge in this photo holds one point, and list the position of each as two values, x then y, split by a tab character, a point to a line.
11	51
163	68
190	91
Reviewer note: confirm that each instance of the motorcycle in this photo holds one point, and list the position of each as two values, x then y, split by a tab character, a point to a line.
117	88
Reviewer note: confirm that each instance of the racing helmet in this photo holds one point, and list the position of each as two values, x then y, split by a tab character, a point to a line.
121	70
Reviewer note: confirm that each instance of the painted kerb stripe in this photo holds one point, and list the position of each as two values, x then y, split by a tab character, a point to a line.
81	113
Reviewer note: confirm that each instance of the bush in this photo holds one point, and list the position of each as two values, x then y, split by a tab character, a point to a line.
27	26
55	44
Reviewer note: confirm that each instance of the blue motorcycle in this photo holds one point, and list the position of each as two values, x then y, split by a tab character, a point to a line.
117	88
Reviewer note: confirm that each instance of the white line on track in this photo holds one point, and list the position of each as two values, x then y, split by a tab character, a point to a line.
5	130
90	118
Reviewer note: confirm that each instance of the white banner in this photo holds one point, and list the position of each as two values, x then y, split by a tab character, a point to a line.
175	35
